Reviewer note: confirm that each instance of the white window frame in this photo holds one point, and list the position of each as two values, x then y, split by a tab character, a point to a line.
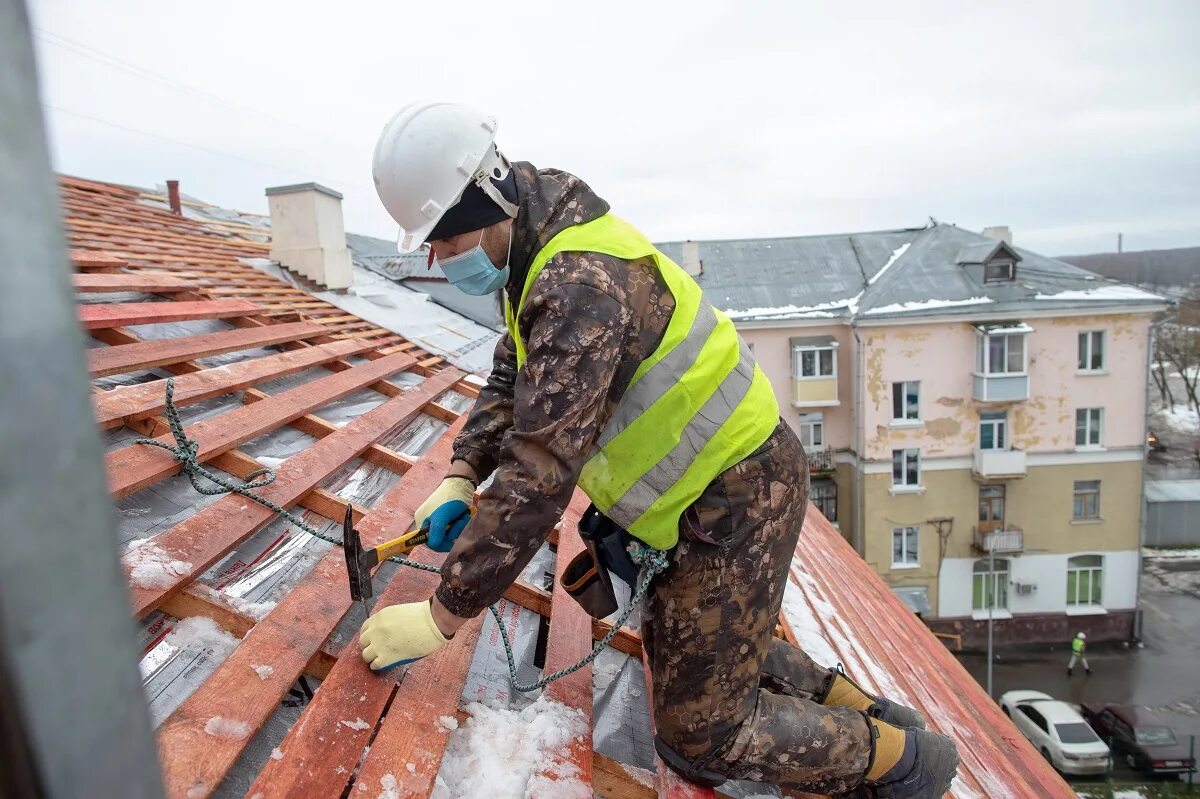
905	470
1093	423
909	413
1075	492
1001	422
910	547
798	363
812	431
999	587
983	354
1095	577
1087	350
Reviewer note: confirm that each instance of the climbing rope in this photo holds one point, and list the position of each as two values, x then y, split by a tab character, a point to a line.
652	561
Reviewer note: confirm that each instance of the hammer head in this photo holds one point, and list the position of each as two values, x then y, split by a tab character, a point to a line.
357	569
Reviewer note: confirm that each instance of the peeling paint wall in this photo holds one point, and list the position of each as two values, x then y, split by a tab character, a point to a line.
942	357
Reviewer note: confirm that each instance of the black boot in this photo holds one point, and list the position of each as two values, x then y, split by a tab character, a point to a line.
1070	671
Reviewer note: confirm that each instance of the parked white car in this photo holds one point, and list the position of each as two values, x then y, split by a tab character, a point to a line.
1058	732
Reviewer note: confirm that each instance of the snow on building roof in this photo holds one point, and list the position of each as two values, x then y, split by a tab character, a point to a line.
892	273
349	414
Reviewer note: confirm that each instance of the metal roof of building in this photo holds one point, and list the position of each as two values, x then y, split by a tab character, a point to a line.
1173	491
891	273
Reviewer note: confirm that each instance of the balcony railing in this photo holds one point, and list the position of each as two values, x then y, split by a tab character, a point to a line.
1000	462
1001	387
820	461
1007	540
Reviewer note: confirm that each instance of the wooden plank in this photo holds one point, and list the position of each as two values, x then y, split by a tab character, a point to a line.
615	780
85	260
205	537
194	763
160	352
148	284
132	468
120	314
127	403
569	641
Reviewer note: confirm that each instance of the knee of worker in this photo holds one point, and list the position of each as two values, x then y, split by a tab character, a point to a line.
695	733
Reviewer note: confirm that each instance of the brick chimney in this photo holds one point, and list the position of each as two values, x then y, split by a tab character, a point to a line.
1000	233
308	235
691	258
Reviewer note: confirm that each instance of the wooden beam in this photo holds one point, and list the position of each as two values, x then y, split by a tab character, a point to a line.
85	260
127	403
137	466
205	537
160	352
569	641
85	283
148	313
614	780
194	763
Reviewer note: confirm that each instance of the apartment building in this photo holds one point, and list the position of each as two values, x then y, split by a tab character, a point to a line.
974	415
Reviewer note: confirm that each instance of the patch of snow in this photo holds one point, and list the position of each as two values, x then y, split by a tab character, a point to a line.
809	634
357	724
412	769
227	728
269	462
1150	552
151	566
1110	292
515	754
197	791
926	305
389	785
896	255
1182	419
824	310
255	610
277	754
263	672
201	632
448	723
639	775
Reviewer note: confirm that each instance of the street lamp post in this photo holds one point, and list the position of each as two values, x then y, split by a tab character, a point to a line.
991	600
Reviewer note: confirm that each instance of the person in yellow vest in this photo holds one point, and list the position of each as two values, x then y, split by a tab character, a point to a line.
1078	653
617	376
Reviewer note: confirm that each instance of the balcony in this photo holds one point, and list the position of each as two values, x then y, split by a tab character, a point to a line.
820	461
814	392
1001	387
999	463
1006	540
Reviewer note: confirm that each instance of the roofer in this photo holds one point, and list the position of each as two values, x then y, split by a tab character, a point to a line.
617	376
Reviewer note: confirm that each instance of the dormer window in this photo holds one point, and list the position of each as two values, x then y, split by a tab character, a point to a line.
1000	271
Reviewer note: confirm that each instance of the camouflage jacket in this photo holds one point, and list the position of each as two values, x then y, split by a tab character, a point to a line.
588	323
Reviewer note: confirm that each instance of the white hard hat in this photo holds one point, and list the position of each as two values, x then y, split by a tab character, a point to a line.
1082	635
426	156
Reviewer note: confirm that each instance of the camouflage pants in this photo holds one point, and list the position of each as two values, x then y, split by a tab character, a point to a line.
726	691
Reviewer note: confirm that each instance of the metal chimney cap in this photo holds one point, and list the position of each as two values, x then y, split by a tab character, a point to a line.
299	187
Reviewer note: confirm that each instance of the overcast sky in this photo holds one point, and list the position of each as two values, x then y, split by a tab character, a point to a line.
1067	121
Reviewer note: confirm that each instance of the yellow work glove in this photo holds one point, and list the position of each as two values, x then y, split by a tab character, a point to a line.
446	512
398	635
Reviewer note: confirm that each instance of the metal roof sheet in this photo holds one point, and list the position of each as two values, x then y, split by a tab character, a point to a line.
1173	491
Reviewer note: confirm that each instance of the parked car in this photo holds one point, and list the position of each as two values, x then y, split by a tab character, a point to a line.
1058	732
1144	739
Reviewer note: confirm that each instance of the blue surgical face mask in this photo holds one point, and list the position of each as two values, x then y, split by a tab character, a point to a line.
473	272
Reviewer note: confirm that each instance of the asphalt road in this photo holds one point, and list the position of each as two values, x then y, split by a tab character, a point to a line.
1163	676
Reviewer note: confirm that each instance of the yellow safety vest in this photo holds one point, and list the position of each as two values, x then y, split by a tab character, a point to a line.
696	406
1077	646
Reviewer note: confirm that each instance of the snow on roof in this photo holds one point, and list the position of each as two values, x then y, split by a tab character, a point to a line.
926	305
1110	292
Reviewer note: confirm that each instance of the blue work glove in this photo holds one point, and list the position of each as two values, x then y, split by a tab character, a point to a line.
446	512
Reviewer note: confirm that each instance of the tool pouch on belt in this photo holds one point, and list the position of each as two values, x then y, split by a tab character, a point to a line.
587	577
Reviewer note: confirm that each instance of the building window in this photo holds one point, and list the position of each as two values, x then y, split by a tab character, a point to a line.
823	496
1087	426
999	272
814	362
990	587
812	431
1091	351
1085	576
906	400
906	467
1087	499
993	430
905	550
1001	353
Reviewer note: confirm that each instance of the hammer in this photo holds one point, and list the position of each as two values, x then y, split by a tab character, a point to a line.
359	561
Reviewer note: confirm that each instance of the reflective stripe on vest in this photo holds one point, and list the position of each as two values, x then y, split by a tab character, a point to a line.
696	406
